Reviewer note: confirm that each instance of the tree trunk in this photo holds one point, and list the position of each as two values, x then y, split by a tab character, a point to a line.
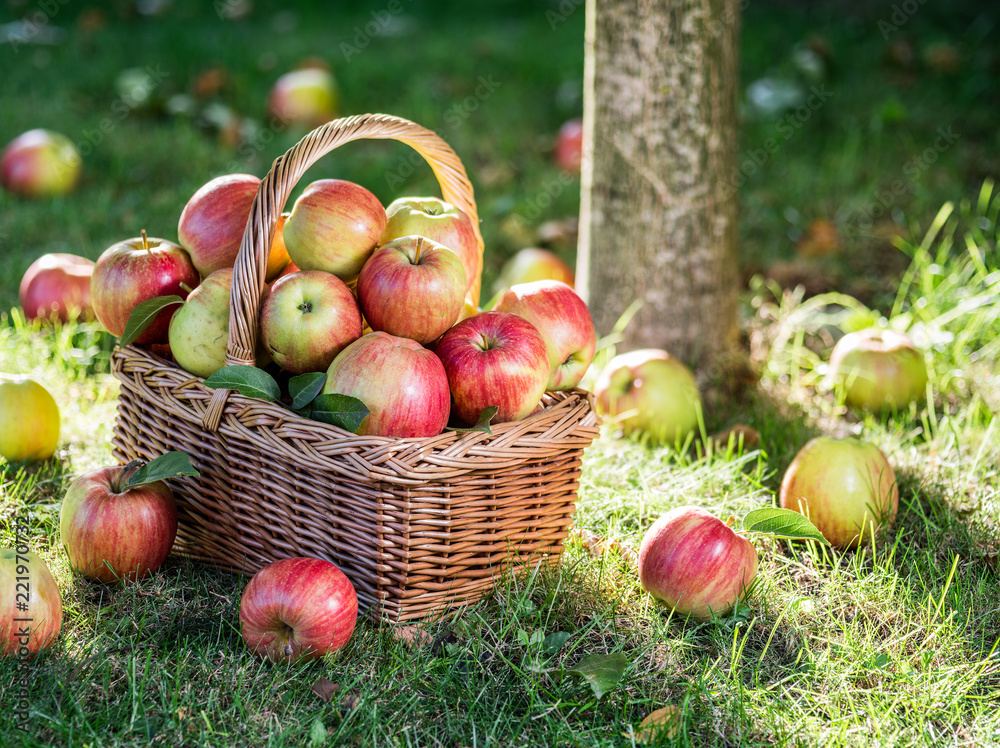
658	205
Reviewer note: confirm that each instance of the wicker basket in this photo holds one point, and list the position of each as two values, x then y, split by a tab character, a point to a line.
418	525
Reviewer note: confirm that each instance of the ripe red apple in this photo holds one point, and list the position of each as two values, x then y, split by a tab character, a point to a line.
298	609
648	391
534	264
402	384
307	318
564	322
136	270
304	97
694	563
569	146
112	533
57	285
494	358
40	163
846	487
29	420
213	221
334	226
30	603
441	221
412	287
878	369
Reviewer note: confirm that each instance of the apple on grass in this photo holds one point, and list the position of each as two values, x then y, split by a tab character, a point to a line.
306	319
334	226
846	487
136	270
57	286
694	563
40	163
304	97
649	392
436	219
298	609
212	223
568	153
494	358
878	369
534	264
412	287
564	322
29	420
30	603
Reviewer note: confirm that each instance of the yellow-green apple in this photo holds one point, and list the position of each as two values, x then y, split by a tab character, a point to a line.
878	369
694	563
568	152
402	384
298	609
112	532
30	606
334	226
846	487
564	322
534	264
412	287
136	270
306	319
304	97
212	223
40	163
433	218
29	420
648	391
57	286
494	358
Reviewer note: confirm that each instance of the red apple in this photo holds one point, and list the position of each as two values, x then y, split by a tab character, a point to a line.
30	603
649	392
40	163
878	369
136	270
534	264
298	609
564	322
307	318
412	287
213	221
441	221
846	487
111	532
304	97
494	358
402	384
29	420
334	226
695	564
57	285
569	146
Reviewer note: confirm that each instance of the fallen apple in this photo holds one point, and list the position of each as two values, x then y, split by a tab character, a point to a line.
878	369
40	163
305	97
30	603
534	264
57	286
29	420
568	153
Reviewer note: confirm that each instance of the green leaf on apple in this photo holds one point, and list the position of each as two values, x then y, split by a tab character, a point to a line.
339	410
143	315
483	423
247	380
782	523
167	465
305	387
601	671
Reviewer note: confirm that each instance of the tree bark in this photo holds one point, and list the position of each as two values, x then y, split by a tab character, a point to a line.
658	203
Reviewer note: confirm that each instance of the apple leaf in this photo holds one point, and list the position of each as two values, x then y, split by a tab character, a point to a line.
143	315
305	387
601	671
782	523
483	424
340	410
247	380
167	465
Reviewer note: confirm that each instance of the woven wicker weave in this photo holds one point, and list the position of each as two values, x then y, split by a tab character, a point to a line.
418	525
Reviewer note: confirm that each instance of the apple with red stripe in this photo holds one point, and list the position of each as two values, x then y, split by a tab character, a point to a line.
30	603
57	285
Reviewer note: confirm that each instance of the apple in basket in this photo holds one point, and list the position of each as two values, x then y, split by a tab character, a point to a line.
298	609
334	226
212	223
136	270
40	163
412	287
30	603
29	420
57	285
494	358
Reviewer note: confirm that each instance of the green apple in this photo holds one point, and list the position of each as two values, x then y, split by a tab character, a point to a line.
878	369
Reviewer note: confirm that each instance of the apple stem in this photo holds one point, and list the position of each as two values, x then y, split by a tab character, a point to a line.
730	521
185	287
420	246
125	473
145	241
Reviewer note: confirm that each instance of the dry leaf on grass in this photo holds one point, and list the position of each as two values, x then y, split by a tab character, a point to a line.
662	723
326	689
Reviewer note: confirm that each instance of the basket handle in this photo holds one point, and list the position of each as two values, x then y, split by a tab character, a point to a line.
251	261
